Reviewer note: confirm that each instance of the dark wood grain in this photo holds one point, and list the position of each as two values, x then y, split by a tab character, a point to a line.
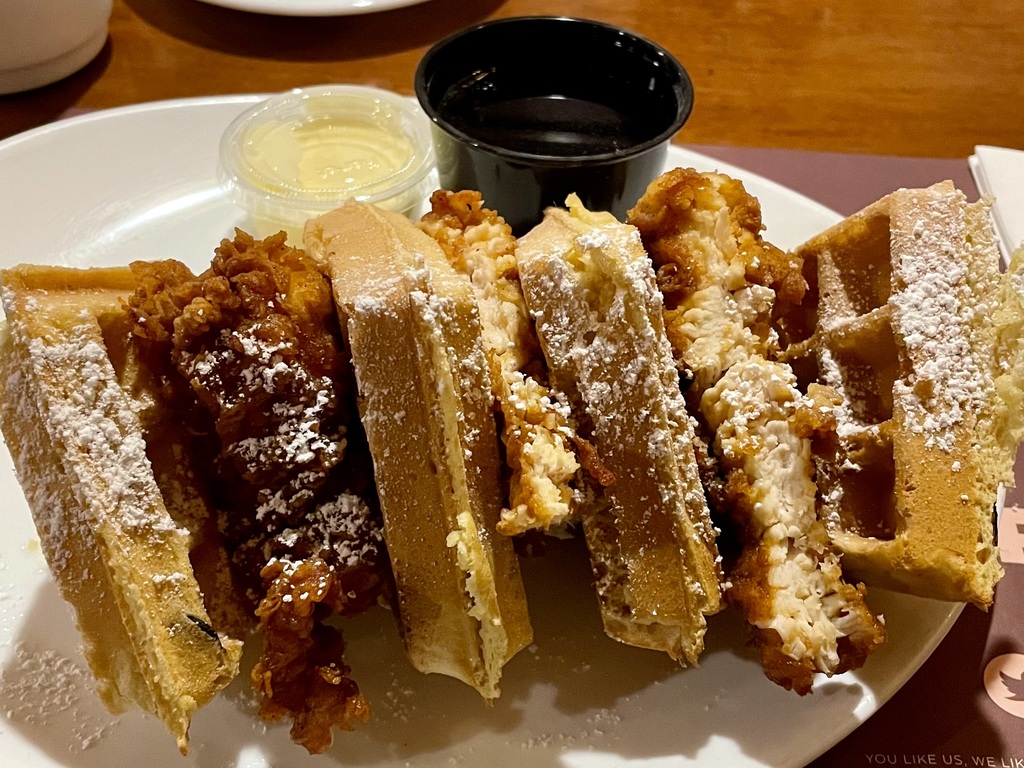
904	77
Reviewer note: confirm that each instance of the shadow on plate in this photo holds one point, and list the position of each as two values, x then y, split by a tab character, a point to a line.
321	38
574	698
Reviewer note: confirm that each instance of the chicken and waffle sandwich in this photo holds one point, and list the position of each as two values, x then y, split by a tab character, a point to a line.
395	411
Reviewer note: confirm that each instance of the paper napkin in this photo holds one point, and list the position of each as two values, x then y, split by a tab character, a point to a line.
999	172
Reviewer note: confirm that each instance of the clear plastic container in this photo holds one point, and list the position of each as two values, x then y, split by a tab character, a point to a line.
305	152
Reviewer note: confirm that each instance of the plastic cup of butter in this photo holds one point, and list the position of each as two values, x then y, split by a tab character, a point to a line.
530	109
304	152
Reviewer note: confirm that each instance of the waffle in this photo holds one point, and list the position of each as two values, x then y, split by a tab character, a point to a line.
424	394
722	285
915	329
589	285
74	407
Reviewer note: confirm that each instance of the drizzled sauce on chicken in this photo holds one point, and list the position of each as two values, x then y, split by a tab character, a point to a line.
250	353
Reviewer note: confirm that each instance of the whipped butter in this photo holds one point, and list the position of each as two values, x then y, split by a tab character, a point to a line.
325	156
305	152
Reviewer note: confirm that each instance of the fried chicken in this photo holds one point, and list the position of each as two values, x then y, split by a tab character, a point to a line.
537	431
251	353
724	289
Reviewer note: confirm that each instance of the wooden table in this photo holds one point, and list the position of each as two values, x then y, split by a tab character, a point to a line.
903	77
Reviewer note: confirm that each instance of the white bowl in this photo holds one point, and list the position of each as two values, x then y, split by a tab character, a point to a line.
42	41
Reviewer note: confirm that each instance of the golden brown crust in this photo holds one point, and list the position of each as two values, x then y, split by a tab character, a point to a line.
252	349
536	430
925	435
424	392
72	426
599	320
674	201
723	323
300	672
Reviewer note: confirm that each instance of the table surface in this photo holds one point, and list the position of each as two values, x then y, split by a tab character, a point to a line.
925	78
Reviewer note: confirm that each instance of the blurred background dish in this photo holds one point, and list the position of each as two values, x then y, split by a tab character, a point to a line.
43	41
313	7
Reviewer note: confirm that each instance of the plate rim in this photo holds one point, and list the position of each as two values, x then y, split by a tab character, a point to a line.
312	8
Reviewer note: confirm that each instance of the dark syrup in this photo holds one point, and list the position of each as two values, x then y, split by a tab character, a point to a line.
542	125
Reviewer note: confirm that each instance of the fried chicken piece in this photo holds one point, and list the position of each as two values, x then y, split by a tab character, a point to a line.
300	672
537	431
787	582
251	351
721	280
725	289
255	339
730	221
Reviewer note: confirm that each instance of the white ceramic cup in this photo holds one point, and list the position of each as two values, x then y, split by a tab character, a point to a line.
42	41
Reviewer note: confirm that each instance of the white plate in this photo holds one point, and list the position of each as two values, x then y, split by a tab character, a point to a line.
141	183
313	7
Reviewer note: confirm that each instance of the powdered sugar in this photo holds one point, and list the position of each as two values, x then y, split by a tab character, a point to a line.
43	689
86	410
598	312
933	310
346	526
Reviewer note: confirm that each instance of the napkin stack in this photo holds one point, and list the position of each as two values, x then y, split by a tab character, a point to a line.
999	172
